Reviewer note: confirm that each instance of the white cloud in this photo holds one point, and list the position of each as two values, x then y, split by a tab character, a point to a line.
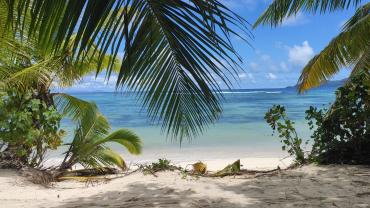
91	83
247	76
300	54
298	19
242	75
271	76
253	65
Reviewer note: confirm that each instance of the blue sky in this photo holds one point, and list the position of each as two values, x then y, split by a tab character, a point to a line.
278	54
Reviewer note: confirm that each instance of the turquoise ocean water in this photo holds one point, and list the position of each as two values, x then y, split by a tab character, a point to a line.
240	133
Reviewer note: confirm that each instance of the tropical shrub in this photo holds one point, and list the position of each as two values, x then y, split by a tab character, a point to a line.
341	134
28	128
276	117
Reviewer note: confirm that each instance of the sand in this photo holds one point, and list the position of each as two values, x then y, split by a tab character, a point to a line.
308	186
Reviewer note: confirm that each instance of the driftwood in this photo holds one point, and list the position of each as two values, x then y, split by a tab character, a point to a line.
91	172
90	176
42	177
9	161
46	177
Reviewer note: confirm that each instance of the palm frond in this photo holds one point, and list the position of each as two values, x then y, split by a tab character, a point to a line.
125	138
89	145
113	158
345	50
279	10
175	52
28	76
363	65
74	108
360	14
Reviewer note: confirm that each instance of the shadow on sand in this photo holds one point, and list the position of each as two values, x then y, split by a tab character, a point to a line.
325	188
147	195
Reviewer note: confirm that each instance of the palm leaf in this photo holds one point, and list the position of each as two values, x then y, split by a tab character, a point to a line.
362	68
349	48
126	138
279	10
113	158
89	145
174	51
74	108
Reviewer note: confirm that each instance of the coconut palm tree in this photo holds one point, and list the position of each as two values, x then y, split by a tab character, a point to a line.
175	52
351	48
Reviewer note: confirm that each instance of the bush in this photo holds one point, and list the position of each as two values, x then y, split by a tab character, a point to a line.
276	117
28	128
341	134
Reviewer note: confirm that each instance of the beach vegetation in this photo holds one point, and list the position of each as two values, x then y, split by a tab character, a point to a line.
341	133
89	146
29	127
175	54
277	118
162	165
349	49
31	109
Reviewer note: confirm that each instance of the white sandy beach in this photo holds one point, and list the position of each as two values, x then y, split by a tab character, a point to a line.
309	186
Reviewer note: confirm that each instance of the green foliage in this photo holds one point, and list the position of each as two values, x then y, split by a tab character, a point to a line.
276	117
161	165
28	126
342	134
173	51
89	145
279	10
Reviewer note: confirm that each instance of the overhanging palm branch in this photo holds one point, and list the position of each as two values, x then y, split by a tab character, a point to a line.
174	50
350	48
279	10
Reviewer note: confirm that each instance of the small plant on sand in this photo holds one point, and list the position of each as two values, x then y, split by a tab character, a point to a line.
89	145
161	165
276	117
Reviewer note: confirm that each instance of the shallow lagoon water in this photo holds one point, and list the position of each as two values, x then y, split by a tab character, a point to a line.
240	133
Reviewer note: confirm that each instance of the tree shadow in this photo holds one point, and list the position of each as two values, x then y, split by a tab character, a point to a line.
327	187
148	195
